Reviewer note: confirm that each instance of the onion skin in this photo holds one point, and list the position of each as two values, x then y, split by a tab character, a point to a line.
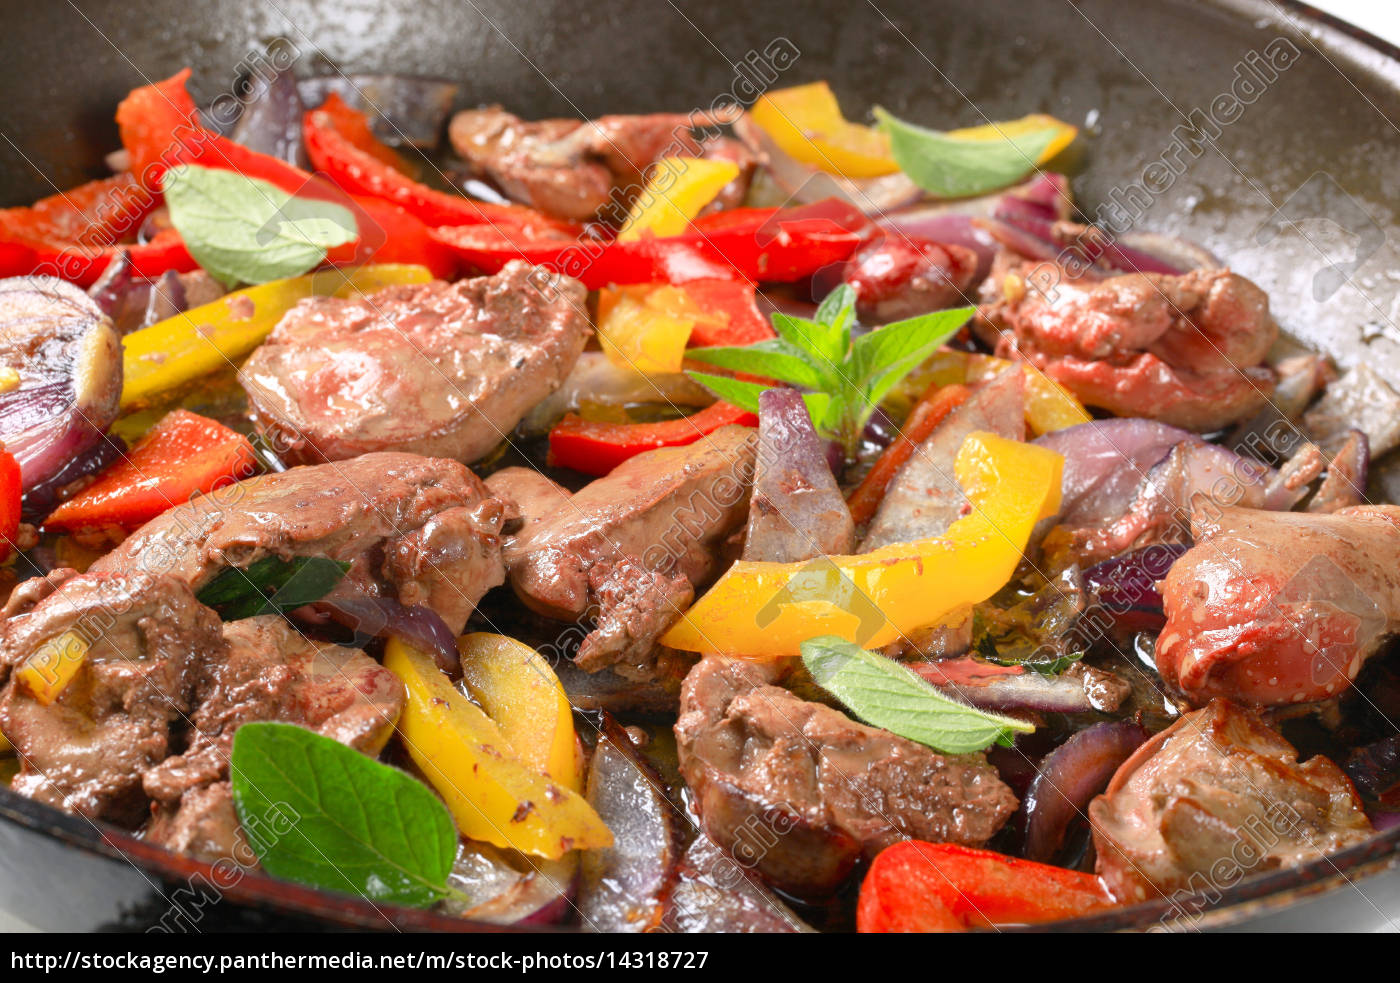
1070	776
1126	586
371	614
69	359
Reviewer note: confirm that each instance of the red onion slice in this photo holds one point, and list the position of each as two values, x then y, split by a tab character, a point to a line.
1070	776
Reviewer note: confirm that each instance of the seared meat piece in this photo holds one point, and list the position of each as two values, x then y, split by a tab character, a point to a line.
568	168
423	529
629	548
1216	796
269	672
529	494
204	826
146	637
1187	350
799	791
796	510
924	499
1272	608
898	277
441	369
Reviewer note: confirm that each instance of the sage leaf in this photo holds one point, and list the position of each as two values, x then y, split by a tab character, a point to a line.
320	813
953	167
246	230
271	585
886	694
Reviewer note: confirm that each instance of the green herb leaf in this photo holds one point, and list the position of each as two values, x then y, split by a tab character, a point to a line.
320	813
885	694
246	230
772	359
736	391
825	343
271	585
886	355
955	168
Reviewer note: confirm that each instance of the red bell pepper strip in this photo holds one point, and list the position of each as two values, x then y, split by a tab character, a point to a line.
940	887
10	494
181	455
389	234
733	301
597	448
755	244
76	233
345	161
354	126
153	117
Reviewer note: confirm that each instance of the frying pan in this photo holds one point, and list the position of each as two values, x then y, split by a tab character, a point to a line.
1295	185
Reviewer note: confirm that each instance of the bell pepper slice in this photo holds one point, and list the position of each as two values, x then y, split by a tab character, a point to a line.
915	886
806	122
676	191
11	493
359	171
753	244
645	329
596	447
354	126
519	691
153	117
49	670
730	314
492	794
767	610
183	348
182	455
76	233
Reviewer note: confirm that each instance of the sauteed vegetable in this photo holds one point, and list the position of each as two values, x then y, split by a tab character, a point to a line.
752	490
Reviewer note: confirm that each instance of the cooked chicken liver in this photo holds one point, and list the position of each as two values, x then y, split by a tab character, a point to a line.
631	547
443	369
800	791
423	529
269	671
1187	350
1213	798
146	638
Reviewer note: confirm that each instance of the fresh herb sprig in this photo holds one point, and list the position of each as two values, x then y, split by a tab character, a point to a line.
885	694
320	813
843	379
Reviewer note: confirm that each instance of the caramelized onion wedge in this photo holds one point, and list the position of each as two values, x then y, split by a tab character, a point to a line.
61	363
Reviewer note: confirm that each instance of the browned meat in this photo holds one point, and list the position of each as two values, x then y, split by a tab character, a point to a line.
270	672
441	369
147	637
799	791
796	510
1273	608
898	277
924	499
204	826
629	548
1215	797
425	529
532	496
569	168
1187	350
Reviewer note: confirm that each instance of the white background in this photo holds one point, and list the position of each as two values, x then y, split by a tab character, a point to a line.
1381	17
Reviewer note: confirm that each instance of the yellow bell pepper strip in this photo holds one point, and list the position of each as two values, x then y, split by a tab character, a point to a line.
645	329
181	349
766	610
519	691
805	121
1049	405
677	189
492	794
48	671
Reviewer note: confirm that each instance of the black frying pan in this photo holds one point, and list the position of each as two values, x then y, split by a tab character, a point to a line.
1296	186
